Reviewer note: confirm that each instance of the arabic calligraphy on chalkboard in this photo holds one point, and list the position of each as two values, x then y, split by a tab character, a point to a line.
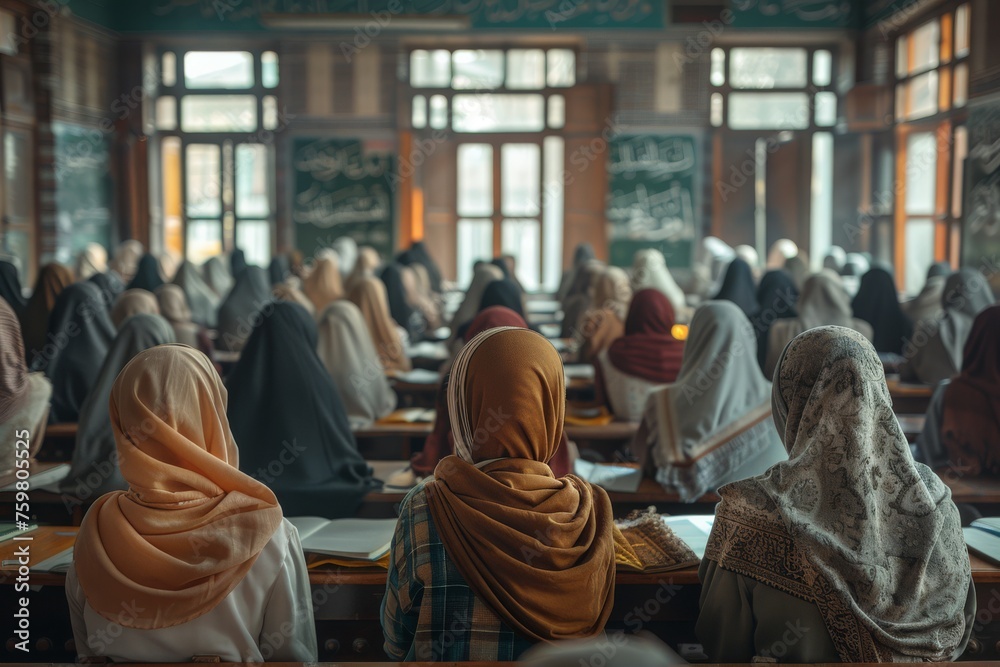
780	12
354	204
984	138
325	161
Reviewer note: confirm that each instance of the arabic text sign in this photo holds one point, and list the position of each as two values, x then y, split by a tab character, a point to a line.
794	13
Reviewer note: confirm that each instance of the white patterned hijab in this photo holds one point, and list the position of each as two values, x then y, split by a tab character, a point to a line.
850	522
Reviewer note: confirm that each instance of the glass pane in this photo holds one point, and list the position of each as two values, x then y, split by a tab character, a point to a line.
269	69
962	31
922	92
204	240
821	189
921	170
439	112
219	113
166	113
477	70
475	179
475	243
168	69
826	109
419	118
767	68
901	101
557	111
17	175
718	75
561	68
430	69
218	69
554	151
961	84
270	110
170	174
716	110
252	200
919	240
822	68
522	239
902	57
203	171
526	69
498	113
777	111
520	167
926	46
958	168
253	237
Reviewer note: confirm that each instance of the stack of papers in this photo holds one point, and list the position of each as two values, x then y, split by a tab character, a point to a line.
622	478
352	539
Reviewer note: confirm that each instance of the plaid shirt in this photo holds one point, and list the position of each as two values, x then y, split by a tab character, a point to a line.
429	612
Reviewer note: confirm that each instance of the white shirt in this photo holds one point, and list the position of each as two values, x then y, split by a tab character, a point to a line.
267	617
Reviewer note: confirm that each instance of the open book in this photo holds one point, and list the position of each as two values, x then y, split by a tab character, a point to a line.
644	543
43	475
417	376
354	539
983	537
409	416
621	478
58	563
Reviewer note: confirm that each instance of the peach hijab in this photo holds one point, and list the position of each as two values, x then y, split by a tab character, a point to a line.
324	285
191	525
369	296
538	550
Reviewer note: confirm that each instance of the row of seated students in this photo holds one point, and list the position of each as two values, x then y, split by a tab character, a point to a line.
280	368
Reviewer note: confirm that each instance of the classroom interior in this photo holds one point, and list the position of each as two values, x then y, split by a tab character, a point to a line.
339	204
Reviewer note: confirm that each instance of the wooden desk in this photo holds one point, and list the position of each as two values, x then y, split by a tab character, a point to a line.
909	398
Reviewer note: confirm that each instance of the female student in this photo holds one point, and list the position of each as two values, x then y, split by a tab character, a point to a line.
712	426
10	288
94	469
287	292
482	275
605	321
738	287
579	297
849	538
301	446
24	396
778	298
147	275
877	303
202	299
174	308
240	310
365	267
324	285
217	276
133	302
402	311
963	420
93	259
468	541
647	357
195	558
649	270
418	254
126	259
370	298
51	281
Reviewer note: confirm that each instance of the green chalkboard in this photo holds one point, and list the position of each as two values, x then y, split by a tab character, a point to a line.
653	197
342	188
83	189
795	13
981	224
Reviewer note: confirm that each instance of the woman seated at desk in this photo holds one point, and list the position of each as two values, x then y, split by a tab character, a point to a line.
849	538
468	541
195	558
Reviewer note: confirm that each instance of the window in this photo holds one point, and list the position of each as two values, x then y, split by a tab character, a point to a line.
213	117
932	73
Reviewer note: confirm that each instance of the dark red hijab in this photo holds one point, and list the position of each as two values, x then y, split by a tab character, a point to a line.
970	424
648	350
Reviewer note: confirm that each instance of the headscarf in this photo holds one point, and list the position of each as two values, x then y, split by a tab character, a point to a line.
498	496
927	304
279	269
711	425
240	312
285	292
347	254
73	366
583	253
850	521
877	303
970	416
777	297
649	270
711	259
201	298
749	255
781	251
935	352
798	270
369	296
217	276
324	285
856	266
345	347
605	321
93	259
110	284
168	414
738	287
502	293
168	264
482	276
132	302
417	286
648	350
13	369
835	259
52	280
174	308
579	297
94	456
305	418
237	263
400	309
126	259
10	287
418	253
147	275
366	266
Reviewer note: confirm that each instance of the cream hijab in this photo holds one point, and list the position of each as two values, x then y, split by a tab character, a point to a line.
93	259
324	285
286	292
484	274
649	270
132	302
370	298
346	350
366	265
126	259
177	454
174	308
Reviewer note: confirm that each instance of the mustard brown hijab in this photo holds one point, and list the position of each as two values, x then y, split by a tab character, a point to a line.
191	525
538	550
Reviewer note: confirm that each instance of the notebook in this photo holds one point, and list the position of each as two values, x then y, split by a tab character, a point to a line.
418	376
49	476
409	416
984	541
650	545
9	530
622	478
58	563
355	539
582	371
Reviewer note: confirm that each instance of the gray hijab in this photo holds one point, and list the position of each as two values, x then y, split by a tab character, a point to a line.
201	299
217	276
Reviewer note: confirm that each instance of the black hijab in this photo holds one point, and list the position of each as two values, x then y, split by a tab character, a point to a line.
418	254
401	311
147	274
240	311
777	298
738	287
279	269
237	263
878	304
110	284
502	293
290	423
79	337
10	288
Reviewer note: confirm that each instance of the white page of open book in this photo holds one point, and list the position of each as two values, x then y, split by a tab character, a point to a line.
364	539
693	530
